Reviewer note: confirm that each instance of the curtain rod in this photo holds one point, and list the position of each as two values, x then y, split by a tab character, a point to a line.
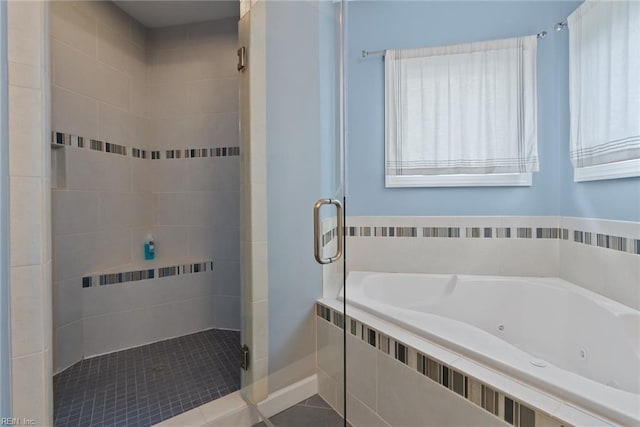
558	27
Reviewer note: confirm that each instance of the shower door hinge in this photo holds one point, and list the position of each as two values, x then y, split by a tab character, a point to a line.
244	357
241	56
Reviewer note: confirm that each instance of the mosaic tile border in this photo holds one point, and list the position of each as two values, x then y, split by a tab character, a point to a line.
494	401
146	273
618	243
70	140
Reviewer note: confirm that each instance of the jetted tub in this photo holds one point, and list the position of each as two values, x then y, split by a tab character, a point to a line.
547	332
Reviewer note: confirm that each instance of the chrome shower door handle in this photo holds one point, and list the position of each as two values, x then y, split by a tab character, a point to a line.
317	241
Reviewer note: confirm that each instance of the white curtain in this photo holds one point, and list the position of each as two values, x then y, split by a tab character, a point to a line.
604	82
462	109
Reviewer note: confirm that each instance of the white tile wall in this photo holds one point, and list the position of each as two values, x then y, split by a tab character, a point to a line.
31	389
360	415
67	345
30	254
361	362
123	329
25	128
213	96
122	127
330	351
170	176
74	26
226	276
74	113
26	75
401	401
612	273
69	294
65	202
26	323
26	41
215	128
226	311
27	234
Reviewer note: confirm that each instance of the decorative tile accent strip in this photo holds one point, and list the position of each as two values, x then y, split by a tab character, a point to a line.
483	395
338	320
329	236
138	153
168	271
354	328
618	243
128	276
324	312
548	233
115	148
58	138
475	232
503	232
95	145
62	139
441	232
381	231
368	333
606	241
172	154
144	274
402	353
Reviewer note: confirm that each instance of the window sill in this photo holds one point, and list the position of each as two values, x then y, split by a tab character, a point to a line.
471	180
626	169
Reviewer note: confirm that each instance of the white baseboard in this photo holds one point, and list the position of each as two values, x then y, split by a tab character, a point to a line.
289	396
233	411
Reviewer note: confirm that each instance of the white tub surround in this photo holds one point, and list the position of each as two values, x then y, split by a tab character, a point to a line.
566	353
587	258
600	255
392	370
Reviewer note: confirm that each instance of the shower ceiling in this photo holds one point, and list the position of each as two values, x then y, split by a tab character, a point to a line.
153	14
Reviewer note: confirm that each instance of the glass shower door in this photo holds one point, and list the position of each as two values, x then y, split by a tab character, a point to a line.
292	158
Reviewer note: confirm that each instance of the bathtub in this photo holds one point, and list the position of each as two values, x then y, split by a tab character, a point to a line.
547	332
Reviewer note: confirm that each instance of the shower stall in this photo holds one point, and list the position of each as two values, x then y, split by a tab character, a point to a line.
145	150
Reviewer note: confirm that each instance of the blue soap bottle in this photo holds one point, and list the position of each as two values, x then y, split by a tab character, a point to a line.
149	247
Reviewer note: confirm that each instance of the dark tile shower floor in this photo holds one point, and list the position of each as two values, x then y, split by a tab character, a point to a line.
145	385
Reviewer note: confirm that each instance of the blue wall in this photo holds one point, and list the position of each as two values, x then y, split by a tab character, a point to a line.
301	97
398	24
611	199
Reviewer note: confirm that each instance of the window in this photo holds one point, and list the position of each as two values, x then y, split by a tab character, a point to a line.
461	115
604	89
